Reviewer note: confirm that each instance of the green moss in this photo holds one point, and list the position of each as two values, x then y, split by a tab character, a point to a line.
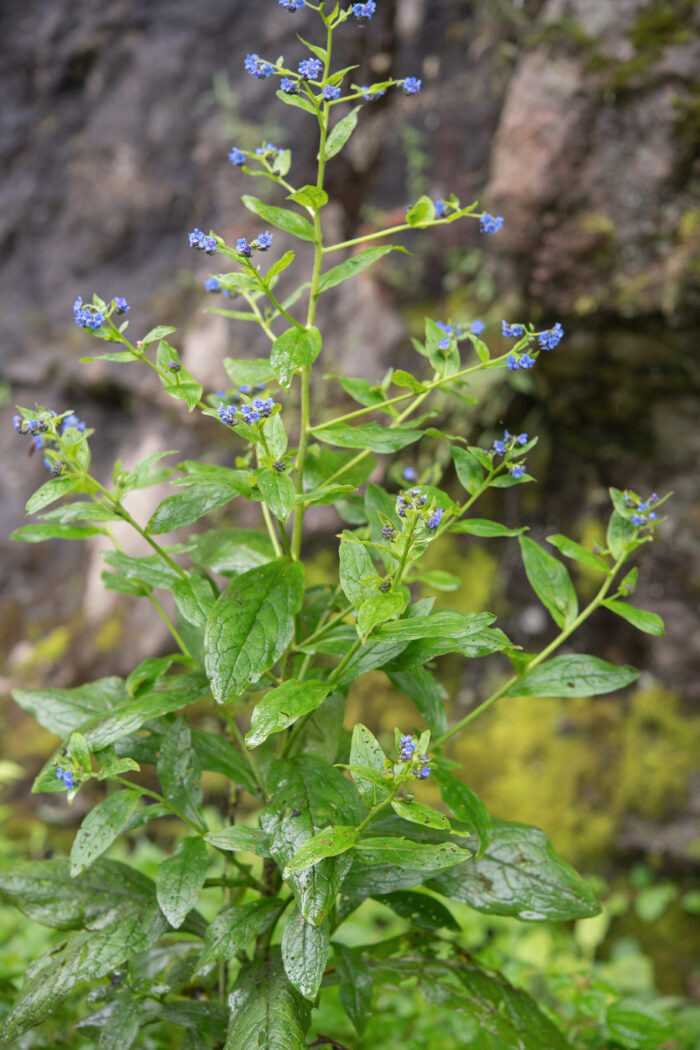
662	24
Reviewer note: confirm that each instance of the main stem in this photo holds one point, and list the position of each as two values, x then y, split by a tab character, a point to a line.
305	424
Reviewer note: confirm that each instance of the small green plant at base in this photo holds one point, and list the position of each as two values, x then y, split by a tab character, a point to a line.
337	821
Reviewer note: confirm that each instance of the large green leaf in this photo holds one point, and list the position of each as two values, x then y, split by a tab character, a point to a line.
571	549
189	506
51	531
101	827
231	551
469	471
250	626
550	581
282	218
621	532
62	711
121	1028
484	527
194	597
418	856
444	624
281	707
419	909
304	954
307	795
645	621
151	570
341	133
354	265
427	694
355	985
124	929
419	813
278	492
466	805
232	930
50	491
638	1026
366	751
373	436
357	572
473	644
330	842
179	771
180	878
218	756
295	349
521	875
269	1013
239	838
322	730
574	675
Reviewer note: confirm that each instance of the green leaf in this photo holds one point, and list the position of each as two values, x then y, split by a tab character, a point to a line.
418	856
269	1012
354	265
466	805
50	491
327	843
218	756
281	707
155	335
151	570
133	926
322	730
636	1025
122	1027
297	100
418	813
571	549
445	625
307	794
620	533
356	568
427	694
80	511
648	622
231	551
341	133
250	626
419	909
483	527
180	385
401	378
280	265
248	372
310	196
62	711
145	473
240	839
295	349
180	878
278	492
235	928
188	506
550	581
282	218
304	954
469	471
379	608
422	211
574	675
440	580
101	827
194	598
521	875
39	533
374	436
179	771
355	985
366	751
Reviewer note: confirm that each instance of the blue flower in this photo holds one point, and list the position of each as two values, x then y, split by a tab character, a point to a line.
364	11
424	772
388	531
526	361
237	156
491	223
257	67
292	5
201	242
411	85
331	93
477	327
212	285
267	147
435	518
72	421
512	362
120	305
19	424
511	331
289	86
407	748
517	471
243	248
410	474
368	94
87	316
441	209
501	447
638	519
279	466
227	414
548	340
263	241
521	439
67	778
174	366
310	68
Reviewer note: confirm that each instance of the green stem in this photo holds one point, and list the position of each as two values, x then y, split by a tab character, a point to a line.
230	720
271	530
404	557
201	829
547	651
386	233
169	624
124	513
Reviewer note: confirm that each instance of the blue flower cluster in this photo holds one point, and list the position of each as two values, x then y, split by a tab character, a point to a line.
407	754
388	531
292	5
369	95
289	86
67	776
477	327
644	513
407	748
267	150
201	242
441	209
411	85
87	316
508	442
511	331
237	156
259	408
212	285
491	223
417	501
435	518
261	243
257	67
548	340
364	11
514	363
310	68
331	94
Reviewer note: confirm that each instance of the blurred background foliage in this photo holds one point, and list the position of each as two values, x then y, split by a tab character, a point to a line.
579	121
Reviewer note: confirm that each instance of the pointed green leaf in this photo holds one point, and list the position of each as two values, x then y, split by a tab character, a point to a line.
420	909
328	843
355	985
418	813
180	878
378	608
483	527
50	491
357	570
310	197
621	531
282	218
354	265
304	954
645	621
469	471
281	707
122	1026
51	531
419	856
574	675
269	1013
179	771
297	100
232	930
341	133
466	805
374	436
188	506
240	839
550	582
250	626
422	211
278	492
295	349
571	549
366	751
101	827
194	598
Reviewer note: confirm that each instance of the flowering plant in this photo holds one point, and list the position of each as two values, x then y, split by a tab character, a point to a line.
332	817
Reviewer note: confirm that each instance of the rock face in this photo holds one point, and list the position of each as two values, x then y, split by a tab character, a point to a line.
575	119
